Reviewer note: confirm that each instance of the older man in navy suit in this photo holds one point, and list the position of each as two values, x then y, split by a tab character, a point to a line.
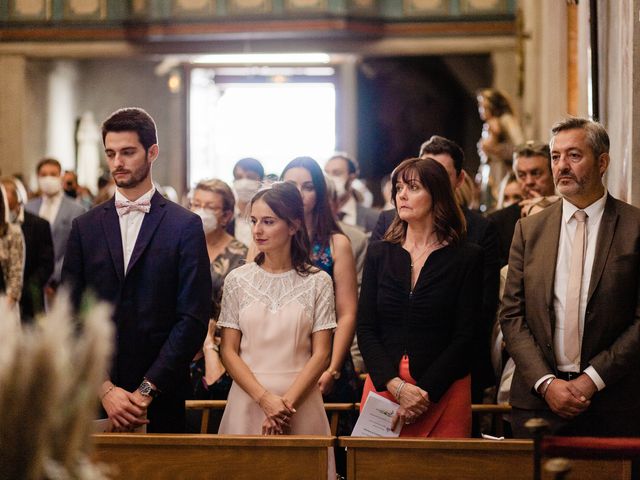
147	256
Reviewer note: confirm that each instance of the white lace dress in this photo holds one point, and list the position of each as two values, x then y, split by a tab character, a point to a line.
276	313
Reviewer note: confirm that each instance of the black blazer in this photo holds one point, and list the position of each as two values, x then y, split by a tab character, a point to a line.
483	233
161	304
505	221
38	264
434	324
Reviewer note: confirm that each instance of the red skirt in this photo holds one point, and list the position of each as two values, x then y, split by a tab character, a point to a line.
449	418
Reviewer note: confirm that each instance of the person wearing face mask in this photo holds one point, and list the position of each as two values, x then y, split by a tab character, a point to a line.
38	263
214	202
343	172
57	209
11	260
248	174
73	190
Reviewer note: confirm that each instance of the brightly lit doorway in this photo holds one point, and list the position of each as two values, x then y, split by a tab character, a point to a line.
273	118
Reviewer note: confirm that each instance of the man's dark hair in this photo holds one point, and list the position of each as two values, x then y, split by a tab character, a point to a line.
532	148
48	161
352	164
250	164
132	119
438	145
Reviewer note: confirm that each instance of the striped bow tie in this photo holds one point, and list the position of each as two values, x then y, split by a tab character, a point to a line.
127	206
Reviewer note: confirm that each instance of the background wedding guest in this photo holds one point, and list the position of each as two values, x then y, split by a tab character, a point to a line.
57	209
11	259
331	252
343	170
248	174
38	248
213	201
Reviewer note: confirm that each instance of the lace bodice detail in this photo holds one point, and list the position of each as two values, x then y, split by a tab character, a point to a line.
275	291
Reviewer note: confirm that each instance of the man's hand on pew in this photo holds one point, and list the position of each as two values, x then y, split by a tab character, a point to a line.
127	411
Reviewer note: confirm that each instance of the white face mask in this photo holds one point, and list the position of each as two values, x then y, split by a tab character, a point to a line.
50	185
245	189
209	219
340	184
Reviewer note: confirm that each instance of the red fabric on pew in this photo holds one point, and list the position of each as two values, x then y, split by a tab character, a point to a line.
576	447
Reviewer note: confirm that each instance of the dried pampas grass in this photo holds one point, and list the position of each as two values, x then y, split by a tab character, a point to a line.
50	374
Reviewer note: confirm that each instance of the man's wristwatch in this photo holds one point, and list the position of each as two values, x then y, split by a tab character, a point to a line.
334	373
147	389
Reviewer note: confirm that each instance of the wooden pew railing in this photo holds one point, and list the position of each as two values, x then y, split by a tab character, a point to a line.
194	457
335	409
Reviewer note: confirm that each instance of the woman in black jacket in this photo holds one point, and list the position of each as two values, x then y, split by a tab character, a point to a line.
421	293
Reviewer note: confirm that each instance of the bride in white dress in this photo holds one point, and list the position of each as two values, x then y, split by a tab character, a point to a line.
277	318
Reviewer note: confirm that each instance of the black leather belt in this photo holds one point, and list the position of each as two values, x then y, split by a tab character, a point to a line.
568	375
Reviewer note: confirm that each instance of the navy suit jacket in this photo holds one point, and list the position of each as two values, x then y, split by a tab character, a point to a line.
161	303
38	264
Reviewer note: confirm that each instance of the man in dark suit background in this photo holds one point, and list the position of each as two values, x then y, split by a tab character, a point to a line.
38	247
570	311
147	256
532	166
479	231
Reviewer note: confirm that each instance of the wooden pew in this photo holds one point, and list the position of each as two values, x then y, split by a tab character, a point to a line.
175	457
207	405
375	458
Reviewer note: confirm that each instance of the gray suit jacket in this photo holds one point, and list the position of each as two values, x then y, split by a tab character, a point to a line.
60	229
611	338
366	218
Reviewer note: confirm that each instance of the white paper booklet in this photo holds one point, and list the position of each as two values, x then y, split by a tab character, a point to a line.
376	417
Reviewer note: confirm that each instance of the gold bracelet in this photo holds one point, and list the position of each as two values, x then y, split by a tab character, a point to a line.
107	392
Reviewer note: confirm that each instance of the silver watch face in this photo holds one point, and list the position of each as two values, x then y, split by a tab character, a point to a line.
145	389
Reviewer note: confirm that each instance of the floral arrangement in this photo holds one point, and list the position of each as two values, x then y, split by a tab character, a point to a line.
50	373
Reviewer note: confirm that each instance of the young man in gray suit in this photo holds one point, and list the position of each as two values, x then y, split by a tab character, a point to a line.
57	209
570	312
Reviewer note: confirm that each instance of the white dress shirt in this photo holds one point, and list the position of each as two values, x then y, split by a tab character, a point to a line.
350	211
563	265
130	224
50	207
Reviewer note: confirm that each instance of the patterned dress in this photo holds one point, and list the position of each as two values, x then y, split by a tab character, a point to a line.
232	257
11	268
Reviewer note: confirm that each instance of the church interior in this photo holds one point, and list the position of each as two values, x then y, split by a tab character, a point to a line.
278	79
